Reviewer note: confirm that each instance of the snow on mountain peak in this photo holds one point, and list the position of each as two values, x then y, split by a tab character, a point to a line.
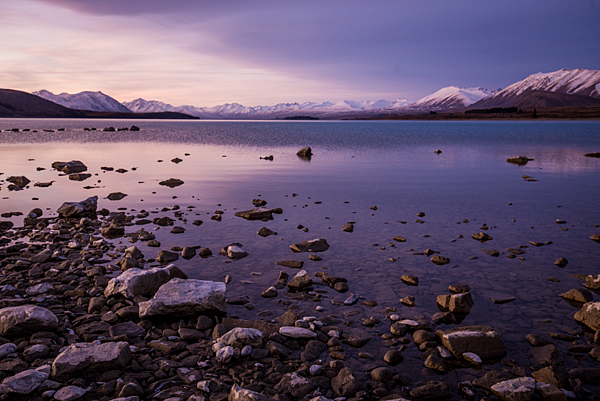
94	101
451	97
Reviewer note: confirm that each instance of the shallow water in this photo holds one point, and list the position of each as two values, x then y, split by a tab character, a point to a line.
356	165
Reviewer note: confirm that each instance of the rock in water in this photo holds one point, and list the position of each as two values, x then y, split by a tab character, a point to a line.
457	303
134	282
171	182
348	227
16	321
116	196
72	167
519	389
589	315
19	181
481	237
519	160
346	384
259	213
245	336
80	358
481	340
315	245
185	298
265	232
85	208
305	152
440	260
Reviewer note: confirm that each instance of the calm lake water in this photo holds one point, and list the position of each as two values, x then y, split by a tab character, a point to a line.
356	165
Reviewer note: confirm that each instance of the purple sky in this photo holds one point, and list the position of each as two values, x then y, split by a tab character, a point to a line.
206	53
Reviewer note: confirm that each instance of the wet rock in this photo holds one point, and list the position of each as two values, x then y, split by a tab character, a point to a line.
481	237
236	252
20	320
519	160
315	245
137	282
592	282
348	227
457	303
547	355
491	378
36	351
295	264
300	282
481	340
398	329
393	357
25	382
297	332
556	375
69	393
409	280
408	301
519	389
431	390
589	315
41	257
586	375
245	336
19	181
491	252
163	221
436	363
127	328
183	298
440	260
346	384
399	238
305	152
80	358
355	337
537	341
259	213
241	394
382	374
458	288
188	252
578	295
561	262
177	230
85	208
595	237
167	257
270	292
74	166
79	176
112	232
549	392
265	232
295	385
171	182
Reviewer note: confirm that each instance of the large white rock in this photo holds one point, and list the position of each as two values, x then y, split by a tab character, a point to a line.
242	335
24	382
136	281
26	319
182	298
91	357
519	389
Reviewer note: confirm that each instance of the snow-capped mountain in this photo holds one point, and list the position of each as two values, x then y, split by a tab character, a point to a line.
236	110
451	98
95	101
571	82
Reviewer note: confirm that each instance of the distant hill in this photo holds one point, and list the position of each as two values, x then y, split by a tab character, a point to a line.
165	115
94	101
553	99
15	103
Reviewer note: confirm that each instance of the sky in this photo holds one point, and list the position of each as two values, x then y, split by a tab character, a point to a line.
264	52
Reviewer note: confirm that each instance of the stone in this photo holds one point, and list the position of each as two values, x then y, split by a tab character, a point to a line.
295	385
24	382
491	252
297	332
312	350
258	213
595	237
16	321
556	375
458	288
481	237
399	238
225	355
348	227
481	340
586	375
549	392
245	336
19	181
578	295
547	355
305	152
130	329
537	341
115	196
166	257
41	257
85	208
181	298
300	282
382	374
457	303
592	282
492	377
346	384
589	315
270	292
82	358
398	329
36	351
241	394
69	393
436	363
7	349
519	389
356	337
235	252
171	182
265	232
421	336
74	166
472	358
409	280
440	260
393	357
295	264
431	390
134	282
519	160
561	262
315	245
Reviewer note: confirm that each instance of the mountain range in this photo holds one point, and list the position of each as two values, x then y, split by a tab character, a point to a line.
577	87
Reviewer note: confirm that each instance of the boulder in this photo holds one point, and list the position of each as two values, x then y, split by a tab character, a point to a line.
134	282
69	393
519	389
346	384
258	213
556	375
578	295
241	394
519	160
88	358
85	208
457	303
16	321
300	282
74	166
25	382
305	152
550	392
185	298
315	245
481	340
244	336
589	315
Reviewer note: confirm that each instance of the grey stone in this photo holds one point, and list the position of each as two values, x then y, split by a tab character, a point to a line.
19	320
244	336
457	303
519	389
315	245
80	358
85	208
346	384
258	213
69	393
481	340
295	385
134	282
24	382
297	332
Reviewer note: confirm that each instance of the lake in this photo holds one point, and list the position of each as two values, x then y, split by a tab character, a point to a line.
378	175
